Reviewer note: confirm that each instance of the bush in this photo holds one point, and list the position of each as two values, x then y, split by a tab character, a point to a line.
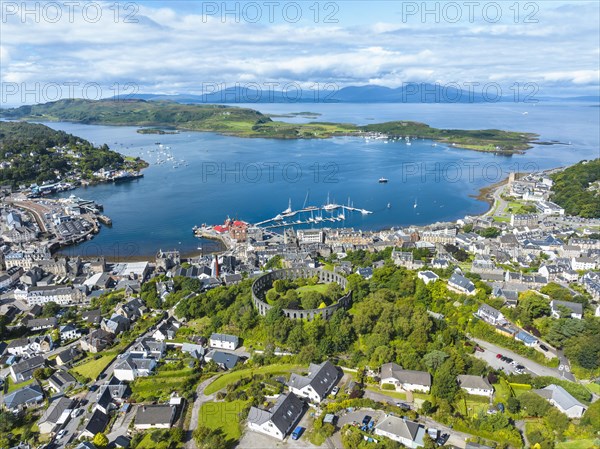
388	387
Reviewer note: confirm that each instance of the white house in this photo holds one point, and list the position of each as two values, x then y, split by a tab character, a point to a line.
476	385
406	380
280	420
562	400
129	368
427	276
583	263
158	416
461	284
490	315
224	341
575	309
69	332
318	384
402	430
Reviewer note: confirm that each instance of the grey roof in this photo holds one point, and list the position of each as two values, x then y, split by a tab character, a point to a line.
405	376
461	282
225	337
284	414
403	428
467	381
489	310
560	396
321	378
575	307
132	362
28	364
42	322
56	409
61	379
155	414
226	359
68	354
97	422
22	396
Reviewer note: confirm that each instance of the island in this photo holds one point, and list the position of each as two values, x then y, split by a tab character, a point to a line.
245	122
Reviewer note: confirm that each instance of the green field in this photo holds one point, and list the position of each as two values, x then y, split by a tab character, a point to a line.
91	368
160	385
578	444
223	416
319	288
593	387
226	379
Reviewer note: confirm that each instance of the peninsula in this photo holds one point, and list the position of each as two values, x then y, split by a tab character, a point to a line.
245	122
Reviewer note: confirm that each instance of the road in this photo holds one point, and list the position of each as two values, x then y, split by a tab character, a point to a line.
489	356
201	398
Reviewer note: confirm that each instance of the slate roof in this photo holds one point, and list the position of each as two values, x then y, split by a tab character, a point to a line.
403	428
283	415
22	396
467	381
462	282
321	378
97	422
154	414
575	307
53	413
559	395
405	376
226	359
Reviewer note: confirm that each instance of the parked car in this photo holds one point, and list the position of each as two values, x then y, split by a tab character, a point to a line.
76	412
544	348
297	432
498	356
61	434
335	391
443	439
403	405
514	363
366	420
509	360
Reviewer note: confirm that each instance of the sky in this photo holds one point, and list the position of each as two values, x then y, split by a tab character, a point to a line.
51	50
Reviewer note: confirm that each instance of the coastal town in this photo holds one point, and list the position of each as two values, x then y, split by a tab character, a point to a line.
97	352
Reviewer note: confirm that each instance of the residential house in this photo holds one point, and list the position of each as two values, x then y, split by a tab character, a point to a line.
490	315
60	381
36	324
225	360
96	341
366	272
476	385
132	310
224	341
427	276
317	384
406	380
27	396
166	330
160	416
280	420
22	371
92	316
402	430
147	348
115	324
583	263
131	367
69	332
526	339
63	295
55	415
18	347
562	400
572	309
461	284
96	424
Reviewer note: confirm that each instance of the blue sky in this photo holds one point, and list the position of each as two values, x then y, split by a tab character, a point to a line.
188	46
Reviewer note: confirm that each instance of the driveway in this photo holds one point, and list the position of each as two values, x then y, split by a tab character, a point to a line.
489	356
201	398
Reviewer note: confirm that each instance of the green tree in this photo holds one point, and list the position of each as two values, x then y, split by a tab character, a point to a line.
100	440
444	384
206	438
513	405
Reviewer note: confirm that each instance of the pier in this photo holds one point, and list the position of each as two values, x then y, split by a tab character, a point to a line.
280	220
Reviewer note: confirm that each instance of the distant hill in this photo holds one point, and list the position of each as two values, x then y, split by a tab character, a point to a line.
410	93
246	122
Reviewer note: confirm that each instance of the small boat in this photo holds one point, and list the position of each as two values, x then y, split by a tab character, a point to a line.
389	205
415	205
383	180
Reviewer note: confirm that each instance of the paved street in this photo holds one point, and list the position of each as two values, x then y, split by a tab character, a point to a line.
489	356
201	398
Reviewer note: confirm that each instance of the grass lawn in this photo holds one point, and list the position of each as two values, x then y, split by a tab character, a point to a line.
319	288
473	406
519	389
390	393
577	444
13	386
93	367
224	416
163	441
226	379
161	385
593	387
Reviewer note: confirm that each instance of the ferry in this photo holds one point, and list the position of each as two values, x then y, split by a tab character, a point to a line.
383	180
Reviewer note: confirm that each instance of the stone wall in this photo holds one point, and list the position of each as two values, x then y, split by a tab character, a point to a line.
264	283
